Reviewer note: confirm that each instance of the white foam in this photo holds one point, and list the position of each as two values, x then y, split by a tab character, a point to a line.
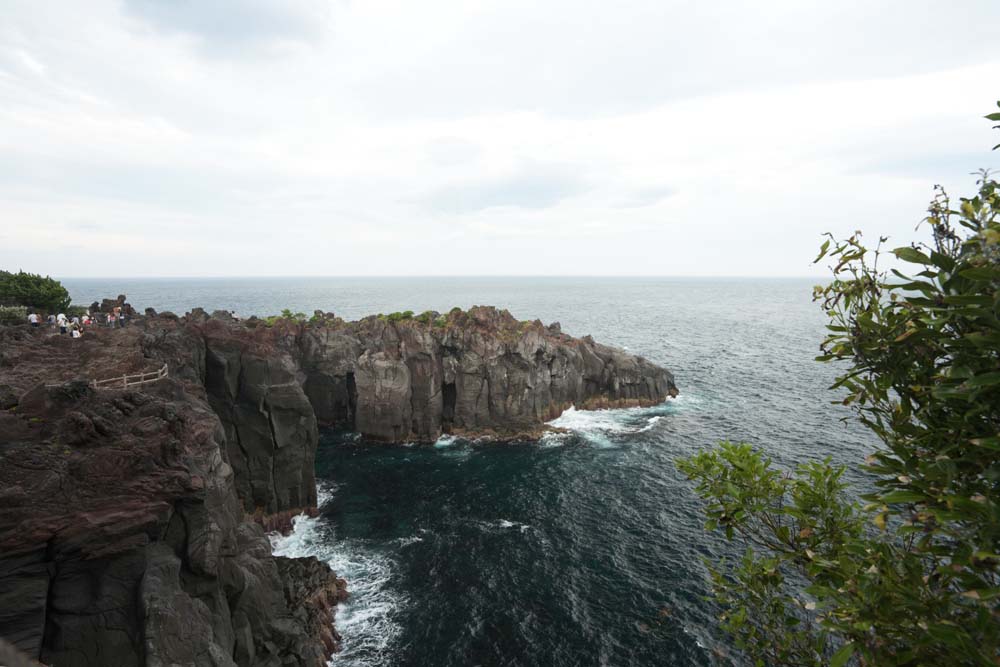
502	525
598	427
324	493
407	541
554	439
445	441
367	620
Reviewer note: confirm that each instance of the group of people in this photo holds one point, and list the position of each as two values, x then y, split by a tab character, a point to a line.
74	326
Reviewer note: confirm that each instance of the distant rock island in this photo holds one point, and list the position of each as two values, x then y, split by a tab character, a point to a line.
133	511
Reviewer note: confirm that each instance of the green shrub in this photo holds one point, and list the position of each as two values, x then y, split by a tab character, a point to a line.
13	315
33	291
286	314
911	577
398	317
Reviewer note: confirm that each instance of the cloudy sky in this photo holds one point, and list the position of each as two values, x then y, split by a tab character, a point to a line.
367	137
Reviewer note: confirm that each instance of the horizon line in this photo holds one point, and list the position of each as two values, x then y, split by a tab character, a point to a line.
410	276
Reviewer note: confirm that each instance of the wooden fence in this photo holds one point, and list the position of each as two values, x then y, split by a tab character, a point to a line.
130	380
123	381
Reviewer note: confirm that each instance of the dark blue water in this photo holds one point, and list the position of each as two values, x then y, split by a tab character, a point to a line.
583	549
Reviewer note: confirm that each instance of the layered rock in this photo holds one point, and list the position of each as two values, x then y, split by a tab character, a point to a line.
123	540
132	520
480	372
253	385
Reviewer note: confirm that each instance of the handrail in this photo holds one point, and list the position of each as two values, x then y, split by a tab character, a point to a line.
125	381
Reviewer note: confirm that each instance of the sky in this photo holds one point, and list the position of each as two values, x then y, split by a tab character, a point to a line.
371	137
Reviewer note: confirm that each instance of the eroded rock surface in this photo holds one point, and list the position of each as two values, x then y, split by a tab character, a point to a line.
480	372
123	537
132	520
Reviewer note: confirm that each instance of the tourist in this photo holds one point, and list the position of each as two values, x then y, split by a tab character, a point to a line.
111	320
75	331
33	320
62	322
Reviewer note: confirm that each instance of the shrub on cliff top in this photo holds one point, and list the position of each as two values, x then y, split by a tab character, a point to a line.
13	315
398	317
286	314
912	577
32	291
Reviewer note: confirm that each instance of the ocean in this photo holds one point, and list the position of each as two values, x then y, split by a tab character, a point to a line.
585	548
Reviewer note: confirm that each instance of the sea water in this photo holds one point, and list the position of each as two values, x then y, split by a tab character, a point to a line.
587	547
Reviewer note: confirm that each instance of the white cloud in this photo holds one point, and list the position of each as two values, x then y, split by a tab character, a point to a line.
494	137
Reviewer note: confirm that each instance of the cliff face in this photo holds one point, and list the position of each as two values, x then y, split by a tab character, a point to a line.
123	538
480	372
132	520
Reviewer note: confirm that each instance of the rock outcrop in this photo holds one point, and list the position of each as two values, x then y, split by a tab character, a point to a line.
123	538
132	520
477	373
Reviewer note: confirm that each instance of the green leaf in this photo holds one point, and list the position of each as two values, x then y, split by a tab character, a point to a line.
903	497
984	380
981	273
942	261
916	285
993	116
912	255
844	654
822	251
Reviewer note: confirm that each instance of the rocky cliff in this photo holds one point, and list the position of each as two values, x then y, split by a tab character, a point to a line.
479	372
476	372
123	537
132	520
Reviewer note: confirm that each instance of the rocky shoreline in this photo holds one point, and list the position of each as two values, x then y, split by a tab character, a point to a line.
133	519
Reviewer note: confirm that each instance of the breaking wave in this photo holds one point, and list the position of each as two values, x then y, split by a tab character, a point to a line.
367	620
603	428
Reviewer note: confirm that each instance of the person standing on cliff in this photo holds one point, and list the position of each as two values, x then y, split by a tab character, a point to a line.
62	322
33	320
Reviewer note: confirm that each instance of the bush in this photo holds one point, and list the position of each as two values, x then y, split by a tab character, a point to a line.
398	317
13	315
32	291
286	314
911	577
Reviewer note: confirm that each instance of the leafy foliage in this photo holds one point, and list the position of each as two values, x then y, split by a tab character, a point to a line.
398	317
286	314
912	577
32	291
995	116
13	315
